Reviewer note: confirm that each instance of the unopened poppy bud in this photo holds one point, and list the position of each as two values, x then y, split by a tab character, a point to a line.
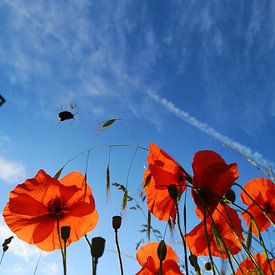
162	250
97	247
230	195
208	266
5	248
116	222
7	241
173	191
65	232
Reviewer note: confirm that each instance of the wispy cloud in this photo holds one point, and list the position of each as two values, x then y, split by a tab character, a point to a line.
25	257
78	52
11	171
244	150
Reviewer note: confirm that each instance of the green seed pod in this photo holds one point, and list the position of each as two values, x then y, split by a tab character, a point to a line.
65	232
97	247
230	195
116	222
173	191
7	241
162	250
208	266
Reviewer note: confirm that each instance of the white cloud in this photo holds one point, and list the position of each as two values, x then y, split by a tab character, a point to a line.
17	247
11	171
242	149
25	256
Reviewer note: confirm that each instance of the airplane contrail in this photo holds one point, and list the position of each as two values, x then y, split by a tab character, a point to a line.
253	157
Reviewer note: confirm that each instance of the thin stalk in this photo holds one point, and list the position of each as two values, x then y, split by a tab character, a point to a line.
38	261
260	237
183	240
238	237
160	268
130	127
86	173
86	238
118	252
130	166
61	248
2	257
95	261
208	243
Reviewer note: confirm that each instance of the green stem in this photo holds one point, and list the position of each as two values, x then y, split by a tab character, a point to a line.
182	237
61	248
130	166
2	257
160	268
119	253
207	240
95	261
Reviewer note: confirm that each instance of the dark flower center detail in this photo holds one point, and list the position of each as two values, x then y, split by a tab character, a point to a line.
204	197
56	207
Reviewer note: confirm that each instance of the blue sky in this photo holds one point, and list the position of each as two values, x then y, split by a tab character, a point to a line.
182	73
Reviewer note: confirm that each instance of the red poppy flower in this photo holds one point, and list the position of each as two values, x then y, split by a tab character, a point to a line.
148	258
247	267
197	242
212	178
36	207
262	191
162	172
159	202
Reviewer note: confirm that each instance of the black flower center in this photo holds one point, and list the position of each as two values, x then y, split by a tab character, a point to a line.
56	207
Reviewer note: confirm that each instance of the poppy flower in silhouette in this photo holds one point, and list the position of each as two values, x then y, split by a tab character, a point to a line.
220	238
262	191
147	257
247	266
212	179
162	172
40	206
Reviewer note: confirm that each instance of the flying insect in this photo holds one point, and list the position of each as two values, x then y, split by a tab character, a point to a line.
65	114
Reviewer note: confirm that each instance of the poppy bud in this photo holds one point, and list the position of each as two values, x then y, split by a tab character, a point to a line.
208	266
65	232
230	195
162	250
97	247
5	248
116	222
173	191
7	241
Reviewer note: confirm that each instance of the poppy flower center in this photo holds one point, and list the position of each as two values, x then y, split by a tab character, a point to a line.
204	197
56	207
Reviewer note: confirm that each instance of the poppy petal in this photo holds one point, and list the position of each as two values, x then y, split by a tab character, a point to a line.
42	230
213	177
159	202
34	206
160	158
26	205
254	187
